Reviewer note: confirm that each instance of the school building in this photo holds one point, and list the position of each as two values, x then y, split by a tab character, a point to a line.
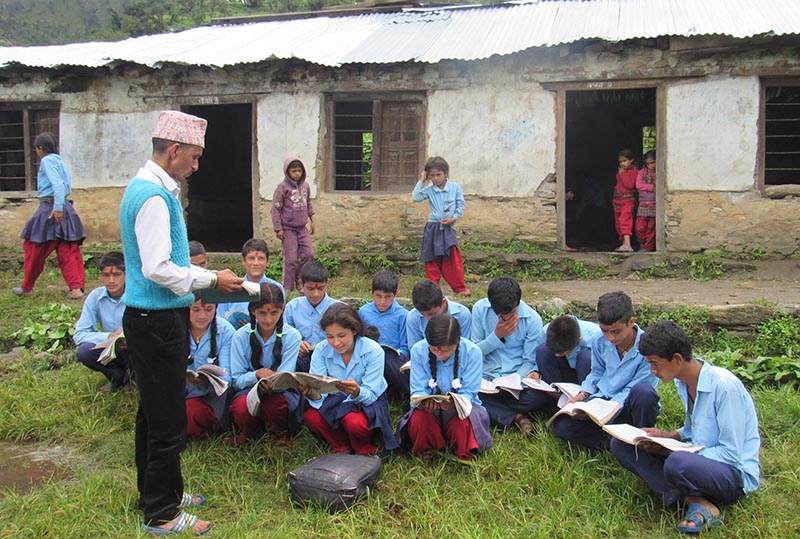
529	101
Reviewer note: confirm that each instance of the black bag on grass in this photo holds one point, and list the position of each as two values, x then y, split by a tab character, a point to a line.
334	481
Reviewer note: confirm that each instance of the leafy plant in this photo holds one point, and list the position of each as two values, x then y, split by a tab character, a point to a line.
275	268
51	330
658	271
763	370
374	263
332	263
702	267
778	335
492	268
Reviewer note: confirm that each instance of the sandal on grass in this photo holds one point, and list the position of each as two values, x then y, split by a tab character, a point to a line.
701	517
187	501
183	522
524	423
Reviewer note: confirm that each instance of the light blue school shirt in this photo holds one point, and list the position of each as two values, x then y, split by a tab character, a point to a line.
99	309
365	369
588	331
54	180
611	377
443	203
724	420
224	308
242	372
470	371
416	323
391	322
200	352
300	314
518	353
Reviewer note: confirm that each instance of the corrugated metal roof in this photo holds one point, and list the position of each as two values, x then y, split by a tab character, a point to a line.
428	34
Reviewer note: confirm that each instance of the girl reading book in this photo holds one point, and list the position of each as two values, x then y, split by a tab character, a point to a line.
446	363
259	350
210	343
355	419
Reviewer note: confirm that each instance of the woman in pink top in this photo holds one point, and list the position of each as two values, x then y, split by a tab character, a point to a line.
646	214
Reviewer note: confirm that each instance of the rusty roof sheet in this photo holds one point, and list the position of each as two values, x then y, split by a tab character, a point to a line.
427	34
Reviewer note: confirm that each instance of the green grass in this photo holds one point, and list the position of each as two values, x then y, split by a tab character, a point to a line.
524	487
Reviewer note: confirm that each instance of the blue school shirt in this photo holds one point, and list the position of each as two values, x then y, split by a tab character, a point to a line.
470	370
242	372
54	180
416	323
224	309
300	314
611	377
365	369
724	420
199	353
518	352
588	331
443	203
99	309
391	323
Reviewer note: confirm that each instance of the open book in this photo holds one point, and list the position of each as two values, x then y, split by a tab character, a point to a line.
213	373
250	292
512	383
600	411
635	436
318	383
109	347
462	404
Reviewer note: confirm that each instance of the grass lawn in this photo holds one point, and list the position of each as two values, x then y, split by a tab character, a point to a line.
526	487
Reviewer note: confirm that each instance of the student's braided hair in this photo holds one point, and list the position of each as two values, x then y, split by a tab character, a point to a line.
271	294
443	330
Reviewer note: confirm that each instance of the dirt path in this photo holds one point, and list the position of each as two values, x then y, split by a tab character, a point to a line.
776	282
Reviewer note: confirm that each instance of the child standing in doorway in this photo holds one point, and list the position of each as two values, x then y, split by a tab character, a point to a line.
439	248
625	199
646	214
292	210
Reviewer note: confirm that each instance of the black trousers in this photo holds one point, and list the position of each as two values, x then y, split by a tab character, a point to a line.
158	348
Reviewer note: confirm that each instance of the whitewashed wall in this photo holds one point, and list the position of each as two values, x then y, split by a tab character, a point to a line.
712	134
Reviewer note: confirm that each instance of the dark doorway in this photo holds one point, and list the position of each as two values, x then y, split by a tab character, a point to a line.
220	194
599	123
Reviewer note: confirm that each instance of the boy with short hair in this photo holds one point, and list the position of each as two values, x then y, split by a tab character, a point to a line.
619	373
304	312
255	259
428	301
508	332
566	355
197	254
291	212
720	416
389	317
103	308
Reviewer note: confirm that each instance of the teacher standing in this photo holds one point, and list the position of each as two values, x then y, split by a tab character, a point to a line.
157	296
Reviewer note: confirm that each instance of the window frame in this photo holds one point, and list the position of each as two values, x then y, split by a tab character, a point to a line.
377	98
28	134
772	190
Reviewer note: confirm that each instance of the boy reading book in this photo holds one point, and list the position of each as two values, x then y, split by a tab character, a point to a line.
720	416
619	373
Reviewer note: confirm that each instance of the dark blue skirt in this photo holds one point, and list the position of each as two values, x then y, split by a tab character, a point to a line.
40	228
334	408
437	241
219	404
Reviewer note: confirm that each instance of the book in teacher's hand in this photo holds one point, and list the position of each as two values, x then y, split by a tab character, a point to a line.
636	436
249	293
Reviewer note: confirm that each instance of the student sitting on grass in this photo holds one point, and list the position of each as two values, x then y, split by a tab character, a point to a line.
720	416
266	347
428	300
103	308
566	355
305	312
210	342
619	373
255	259
508	332
389	317
442	363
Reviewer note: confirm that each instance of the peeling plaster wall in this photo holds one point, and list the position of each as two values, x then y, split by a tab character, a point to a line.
493	120
712	134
